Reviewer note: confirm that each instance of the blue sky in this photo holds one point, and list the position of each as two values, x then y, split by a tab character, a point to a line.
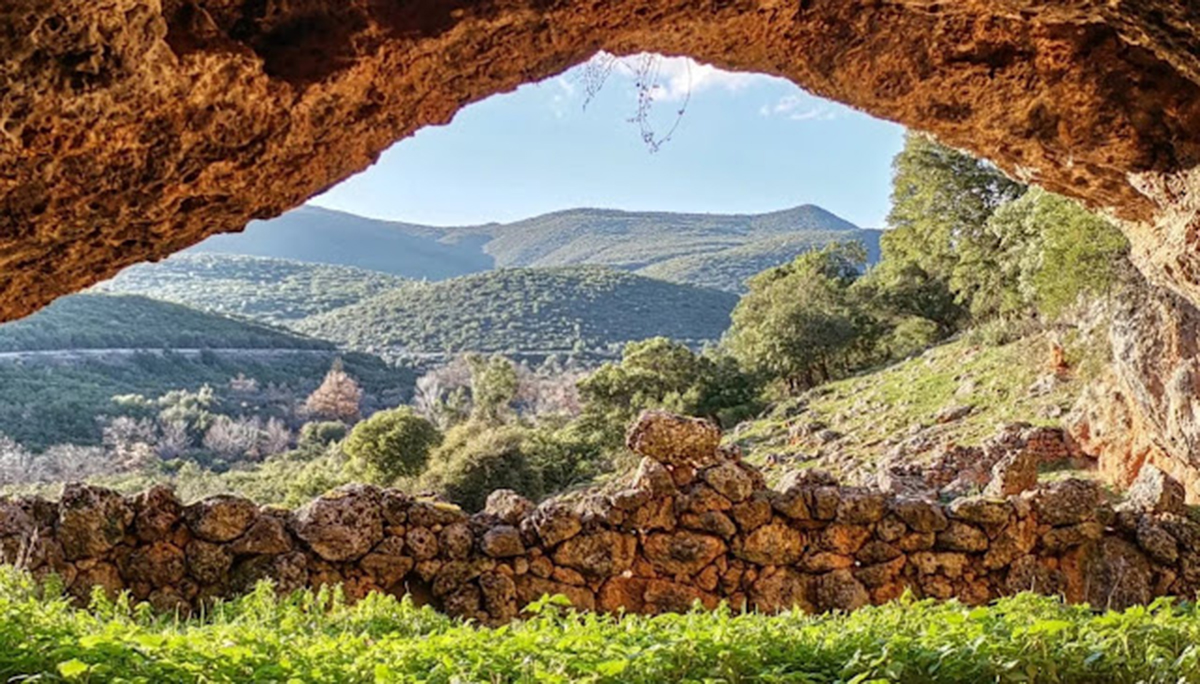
745	143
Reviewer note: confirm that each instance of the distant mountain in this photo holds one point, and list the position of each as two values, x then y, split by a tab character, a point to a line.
322	236
273	290
97	321
728	269
527	310
626	240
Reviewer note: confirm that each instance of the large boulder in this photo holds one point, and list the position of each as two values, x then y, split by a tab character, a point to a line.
342	525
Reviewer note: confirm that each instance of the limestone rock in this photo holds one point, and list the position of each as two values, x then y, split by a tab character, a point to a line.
208	563
343	525
773	544
730	481
920	514
653	478
156	511
839	590
675	440
220	518
91	520
508	506
1015	473
1067	502
555	522
1157	492
267	535
682	553
598	554
502	541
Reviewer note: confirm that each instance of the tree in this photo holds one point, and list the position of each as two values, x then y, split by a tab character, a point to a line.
1055	251
476	459
391	444
941	202
337	398
797	322
494	386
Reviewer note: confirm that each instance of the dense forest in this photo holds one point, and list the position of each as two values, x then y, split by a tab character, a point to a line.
526	310
262	288
94	321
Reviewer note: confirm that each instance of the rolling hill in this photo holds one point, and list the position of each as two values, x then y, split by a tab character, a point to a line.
262	288
527	310
61	367
98	321
632	241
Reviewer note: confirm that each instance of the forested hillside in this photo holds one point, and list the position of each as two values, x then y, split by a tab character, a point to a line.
97	321
61	368
620	239
262	288
522	310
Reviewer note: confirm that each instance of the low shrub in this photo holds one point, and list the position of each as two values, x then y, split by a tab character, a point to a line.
315	637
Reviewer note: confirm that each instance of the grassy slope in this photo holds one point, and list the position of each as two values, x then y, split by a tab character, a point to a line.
527	309
727	269
876	410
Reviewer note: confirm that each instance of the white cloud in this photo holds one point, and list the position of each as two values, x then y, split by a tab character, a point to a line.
676	78
800	107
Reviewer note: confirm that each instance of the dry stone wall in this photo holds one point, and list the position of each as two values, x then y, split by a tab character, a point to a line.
694	523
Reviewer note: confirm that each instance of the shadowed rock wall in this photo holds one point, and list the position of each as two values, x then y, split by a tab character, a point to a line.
694	524
131	129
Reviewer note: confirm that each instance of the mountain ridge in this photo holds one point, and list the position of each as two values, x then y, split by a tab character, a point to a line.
627	240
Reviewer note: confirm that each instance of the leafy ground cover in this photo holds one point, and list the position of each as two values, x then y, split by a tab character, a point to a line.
316	638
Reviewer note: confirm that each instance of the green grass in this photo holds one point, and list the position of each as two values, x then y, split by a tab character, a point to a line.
316	638
873	410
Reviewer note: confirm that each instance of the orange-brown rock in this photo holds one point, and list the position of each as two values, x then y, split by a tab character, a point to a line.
132	130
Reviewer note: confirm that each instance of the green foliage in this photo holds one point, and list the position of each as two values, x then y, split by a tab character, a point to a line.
798	322
493	387
729	268
941	202
44	403
660	373
265	289
1054	252
322	433
391	444
1003	379
555	309
91	321
620	239
477	458
316	637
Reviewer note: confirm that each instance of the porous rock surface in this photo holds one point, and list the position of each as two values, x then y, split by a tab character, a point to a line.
813	545
130	129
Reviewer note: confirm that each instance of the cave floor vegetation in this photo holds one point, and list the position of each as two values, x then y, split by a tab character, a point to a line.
317	637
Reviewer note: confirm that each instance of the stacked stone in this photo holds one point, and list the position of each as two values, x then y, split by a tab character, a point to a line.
1017	449
693	524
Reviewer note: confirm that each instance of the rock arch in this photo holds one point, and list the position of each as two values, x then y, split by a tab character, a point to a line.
134	128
